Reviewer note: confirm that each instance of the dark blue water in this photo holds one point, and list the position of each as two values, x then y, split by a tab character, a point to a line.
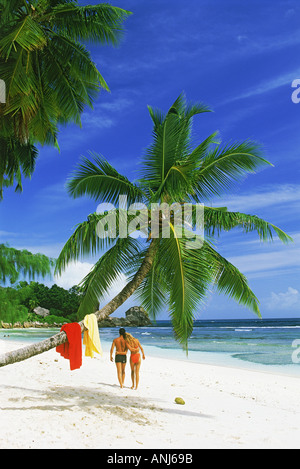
267	342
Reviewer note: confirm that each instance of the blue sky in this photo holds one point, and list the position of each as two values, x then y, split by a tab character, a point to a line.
240	59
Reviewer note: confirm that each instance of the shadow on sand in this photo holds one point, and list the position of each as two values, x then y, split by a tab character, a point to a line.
69	398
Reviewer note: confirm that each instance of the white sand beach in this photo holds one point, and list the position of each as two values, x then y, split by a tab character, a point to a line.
45	405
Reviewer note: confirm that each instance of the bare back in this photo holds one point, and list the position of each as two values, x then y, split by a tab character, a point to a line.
120	344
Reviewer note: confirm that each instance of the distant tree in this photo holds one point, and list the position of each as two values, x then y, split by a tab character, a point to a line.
11	310
55	298
14	262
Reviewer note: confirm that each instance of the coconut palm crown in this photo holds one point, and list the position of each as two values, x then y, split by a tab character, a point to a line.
49	75
165	271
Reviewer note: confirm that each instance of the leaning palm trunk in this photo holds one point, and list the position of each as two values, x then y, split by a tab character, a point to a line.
60	338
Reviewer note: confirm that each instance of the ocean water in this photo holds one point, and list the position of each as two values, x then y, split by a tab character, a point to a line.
266	345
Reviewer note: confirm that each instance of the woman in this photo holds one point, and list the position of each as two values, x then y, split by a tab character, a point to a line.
135	358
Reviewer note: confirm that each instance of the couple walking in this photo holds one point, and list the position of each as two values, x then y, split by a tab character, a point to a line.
124	343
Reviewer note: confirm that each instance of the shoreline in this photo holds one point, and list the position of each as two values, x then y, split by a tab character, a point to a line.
219	359
45	405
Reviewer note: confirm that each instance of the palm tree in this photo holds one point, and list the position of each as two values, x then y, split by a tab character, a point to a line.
14	262
163	270
49	74
17	159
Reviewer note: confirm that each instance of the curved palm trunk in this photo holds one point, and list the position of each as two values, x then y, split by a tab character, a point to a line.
58	339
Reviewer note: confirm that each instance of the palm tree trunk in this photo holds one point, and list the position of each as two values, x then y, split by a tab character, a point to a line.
60	338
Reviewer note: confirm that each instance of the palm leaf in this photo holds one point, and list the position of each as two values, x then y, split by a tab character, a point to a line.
161	165
217	220
231	282
153	292
102	182
26	34
84	241
188	274
15	156
49	75
101	23
14	262
221	167
106	270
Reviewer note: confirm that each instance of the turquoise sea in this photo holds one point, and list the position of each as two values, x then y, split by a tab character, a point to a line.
266	345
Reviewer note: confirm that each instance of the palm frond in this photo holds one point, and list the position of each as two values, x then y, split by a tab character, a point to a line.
14	262
102	182
84	241
160	156
163	160
26	33
222	167
15	157
102	23
153	292
107	269
50	76
188	274
217	220
199	153
231	282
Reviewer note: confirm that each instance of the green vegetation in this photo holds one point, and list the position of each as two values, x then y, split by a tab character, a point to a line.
14	262
11	309
17	304
49	74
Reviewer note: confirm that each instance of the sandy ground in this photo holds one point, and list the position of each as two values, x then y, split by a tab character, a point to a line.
45	405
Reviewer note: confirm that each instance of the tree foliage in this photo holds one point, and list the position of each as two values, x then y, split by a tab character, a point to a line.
15	262
11	309
55	298
49	74
17	303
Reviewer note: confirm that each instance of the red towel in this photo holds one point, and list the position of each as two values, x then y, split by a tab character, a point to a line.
72	349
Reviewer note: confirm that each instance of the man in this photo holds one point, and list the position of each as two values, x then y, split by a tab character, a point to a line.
120	357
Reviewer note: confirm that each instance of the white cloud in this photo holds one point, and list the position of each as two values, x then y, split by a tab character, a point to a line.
5	234
105	114
270	261
285	300
242	38
258	260
266	86
116	105
74	273
115	288
95	120
289	13
77	271
277	195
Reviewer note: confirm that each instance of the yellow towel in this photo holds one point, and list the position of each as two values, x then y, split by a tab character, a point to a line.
91	338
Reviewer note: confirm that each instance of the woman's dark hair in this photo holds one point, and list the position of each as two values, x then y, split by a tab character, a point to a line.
122	332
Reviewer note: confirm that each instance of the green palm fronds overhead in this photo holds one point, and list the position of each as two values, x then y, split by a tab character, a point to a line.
48	71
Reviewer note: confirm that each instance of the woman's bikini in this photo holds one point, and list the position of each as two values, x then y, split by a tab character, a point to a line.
135	356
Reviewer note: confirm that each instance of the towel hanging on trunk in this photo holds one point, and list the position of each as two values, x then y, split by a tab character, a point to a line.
72	349
91	338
